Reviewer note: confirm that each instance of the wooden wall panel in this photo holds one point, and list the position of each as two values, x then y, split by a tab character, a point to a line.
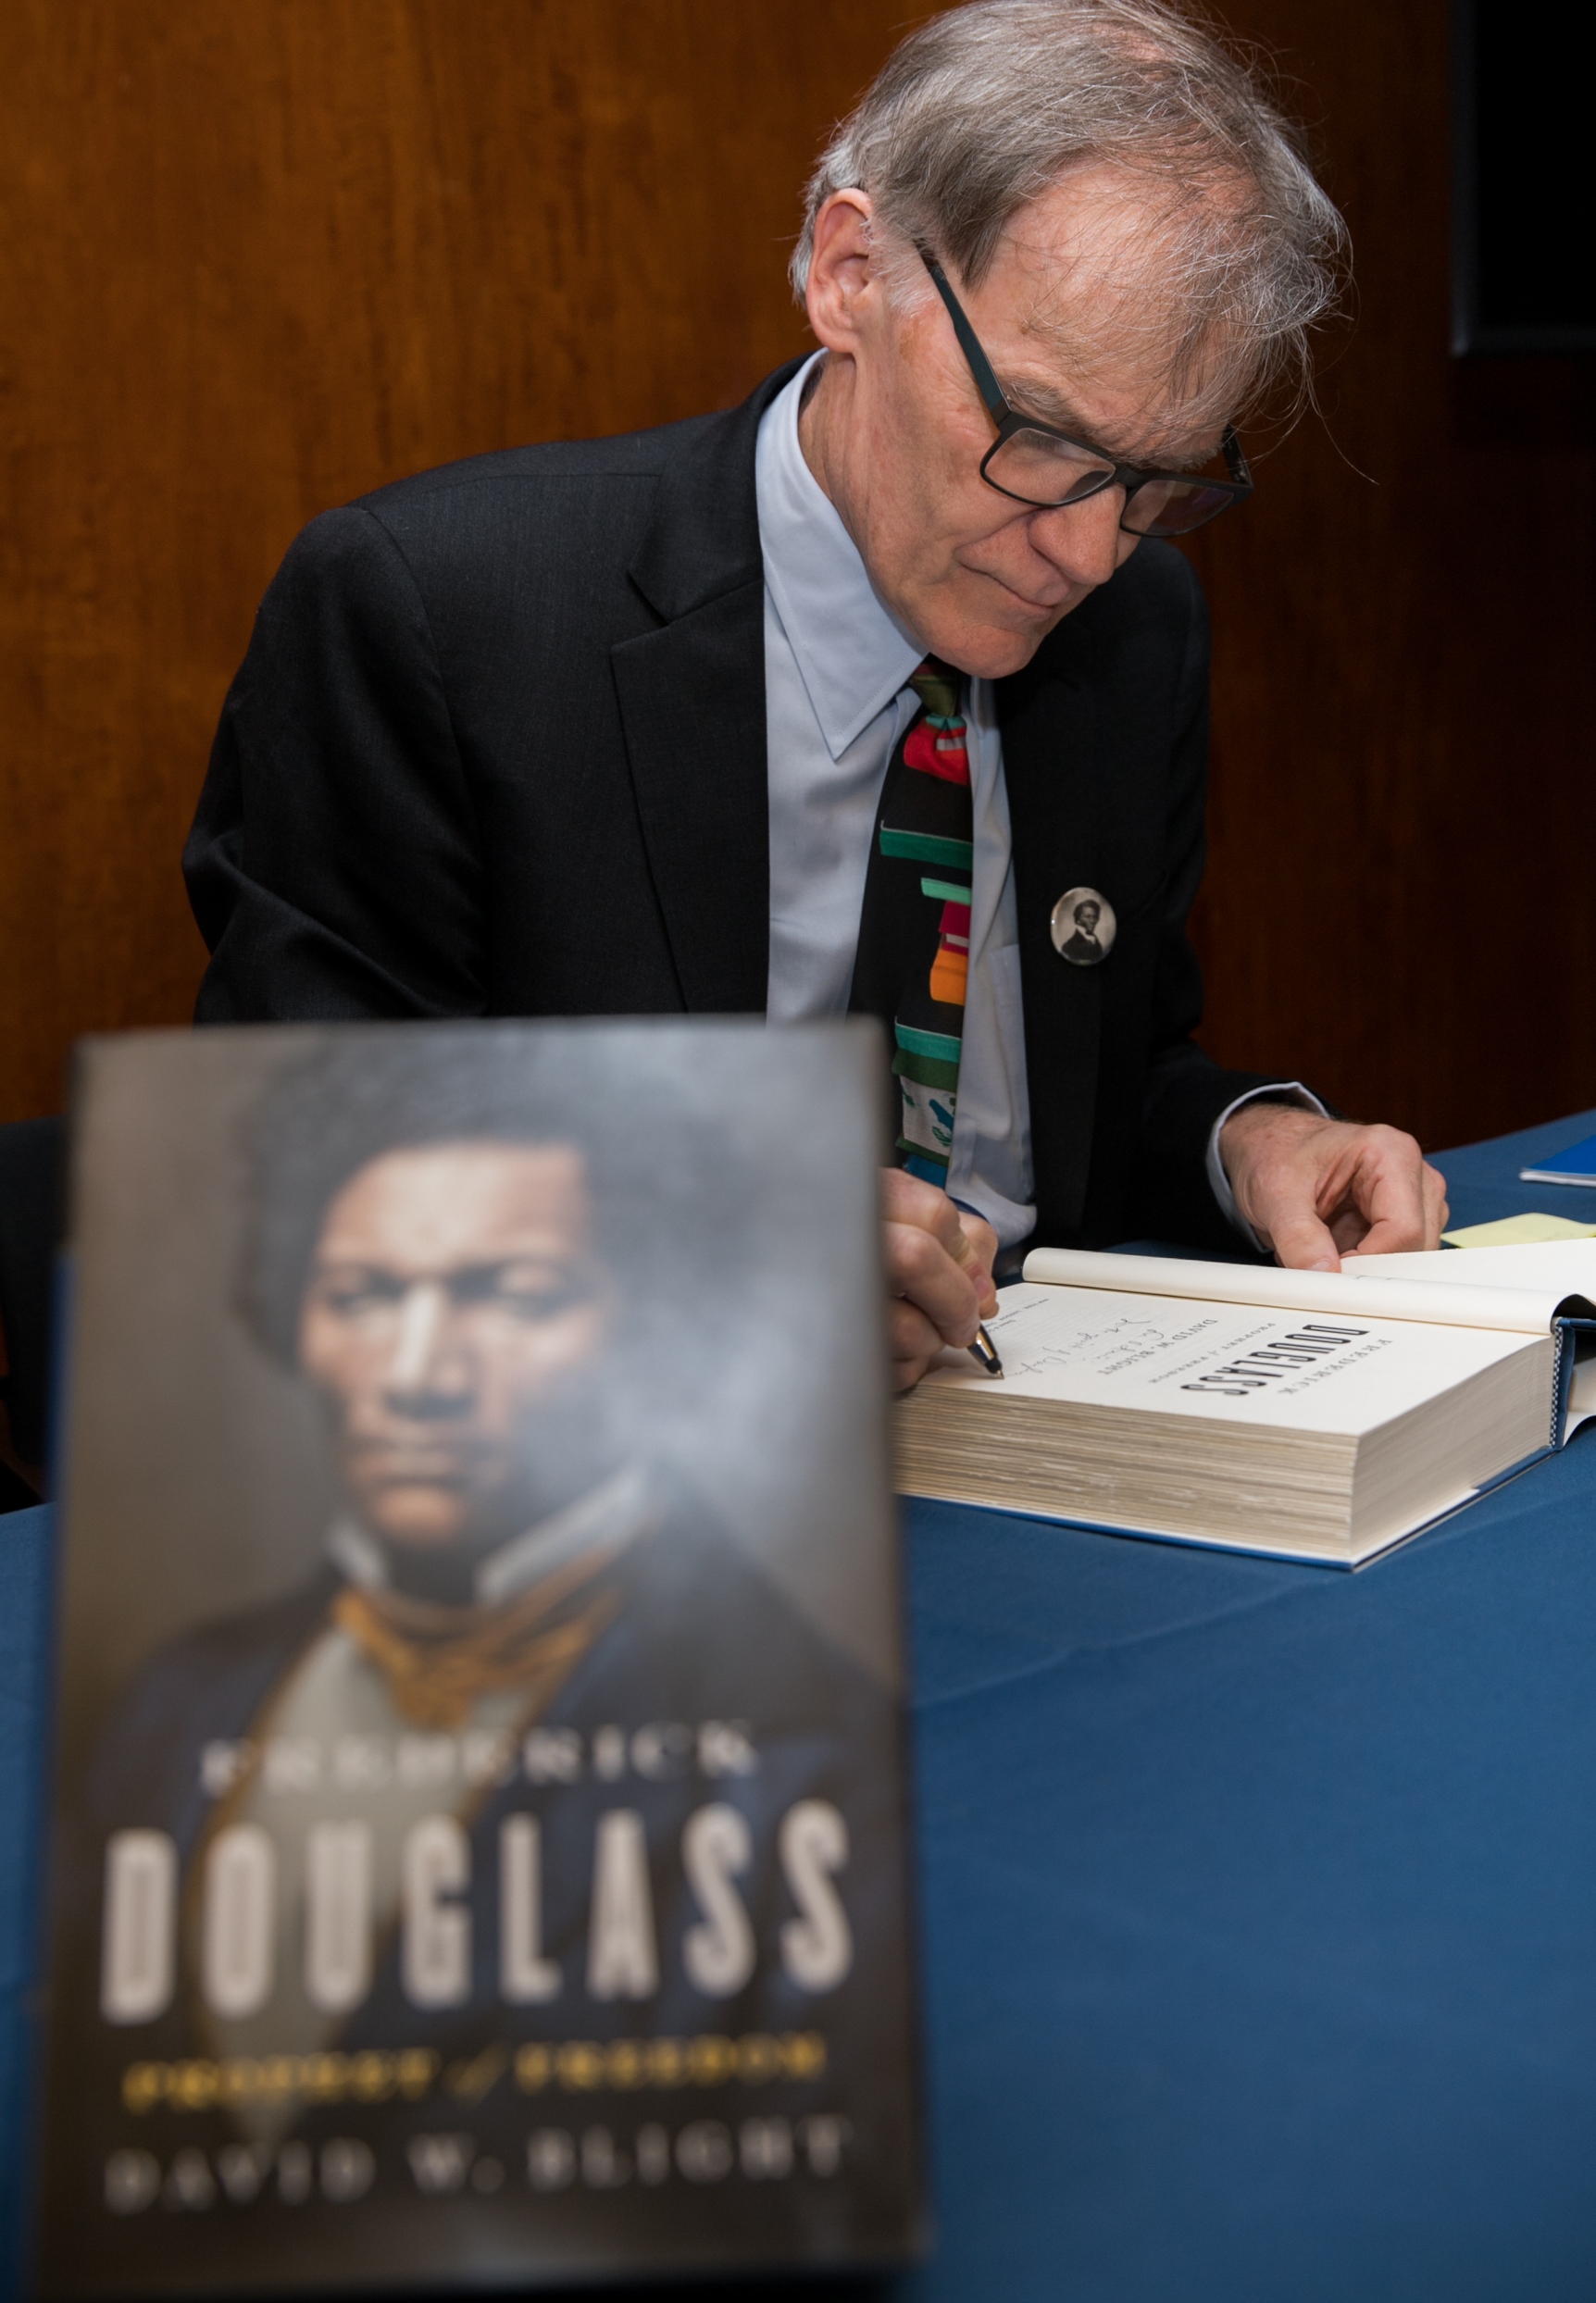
256	258
1400	900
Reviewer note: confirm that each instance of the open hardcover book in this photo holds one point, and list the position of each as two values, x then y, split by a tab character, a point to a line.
1314	1415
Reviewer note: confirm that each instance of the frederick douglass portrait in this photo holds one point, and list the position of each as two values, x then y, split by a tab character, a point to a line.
1083	946
535	1830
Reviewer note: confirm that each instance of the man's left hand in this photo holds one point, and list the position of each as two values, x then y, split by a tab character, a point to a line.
1315	1189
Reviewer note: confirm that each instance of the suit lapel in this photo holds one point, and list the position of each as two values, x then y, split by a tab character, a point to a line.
691	698
1049	724
692	704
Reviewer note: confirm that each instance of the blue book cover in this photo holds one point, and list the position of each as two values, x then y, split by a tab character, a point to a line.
1576	1166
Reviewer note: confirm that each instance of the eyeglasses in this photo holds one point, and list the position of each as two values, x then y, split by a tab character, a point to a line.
1036	465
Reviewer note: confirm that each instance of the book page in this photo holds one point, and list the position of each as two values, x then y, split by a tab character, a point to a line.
1563	1268
1223	1362
1552	1267
1525	1309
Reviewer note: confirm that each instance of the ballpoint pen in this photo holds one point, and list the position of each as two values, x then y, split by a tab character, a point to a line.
984	1353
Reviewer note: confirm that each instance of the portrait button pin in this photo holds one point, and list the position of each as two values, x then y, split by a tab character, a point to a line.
1083	926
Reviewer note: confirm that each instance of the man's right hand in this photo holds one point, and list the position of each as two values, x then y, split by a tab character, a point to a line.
939	1273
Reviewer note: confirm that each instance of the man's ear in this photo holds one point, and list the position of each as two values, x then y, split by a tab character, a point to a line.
844	292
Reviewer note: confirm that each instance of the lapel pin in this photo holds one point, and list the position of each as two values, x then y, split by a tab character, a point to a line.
1083	927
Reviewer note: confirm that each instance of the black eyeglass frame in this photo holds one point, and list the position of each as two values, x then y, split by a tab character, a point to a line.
1130	477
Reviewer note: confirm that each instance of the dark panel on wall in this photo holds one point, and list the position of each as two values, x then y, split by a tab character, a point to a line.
1522	203
256	258
1401	902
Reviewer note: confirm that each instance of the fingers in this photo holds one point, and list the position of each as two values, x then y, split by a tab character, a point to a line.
976	1256
1410	1210
1347	1230
905	1200
912	1344
1398	1196
1274	1155
921	1269
939	1270
1300	1240
1317	1190
1436	1212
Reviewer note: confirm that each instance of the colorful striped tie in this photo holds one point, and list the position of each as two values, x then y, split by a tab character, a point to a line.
914	926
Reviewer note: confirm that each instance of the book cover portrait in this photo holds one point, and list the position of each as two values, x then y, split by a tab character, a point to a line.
480	1847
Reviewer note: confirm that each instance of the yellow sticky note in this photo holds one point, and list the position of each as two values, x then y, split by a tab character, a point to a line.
1517	1231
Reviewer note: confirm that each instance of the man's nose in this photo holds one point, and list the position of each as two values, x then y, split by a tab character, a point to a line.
1083	540
423	1361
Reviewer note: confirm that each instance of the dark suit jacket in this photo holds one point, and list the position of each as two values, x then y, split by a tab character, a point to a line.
498	748
31	1200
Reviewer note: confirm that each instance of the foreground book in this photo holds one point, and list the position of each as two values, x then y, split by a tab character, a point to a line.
481	1855
1313	1415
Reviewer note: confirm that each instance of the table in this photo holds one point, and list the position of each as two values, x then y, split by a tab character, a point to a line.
1259	1901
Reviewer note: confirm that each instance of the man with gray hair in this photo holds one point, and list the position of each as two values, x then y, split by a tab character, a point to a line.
864	694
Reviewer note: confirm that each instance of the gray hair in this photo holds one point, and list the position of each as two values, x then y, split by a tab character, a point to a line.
985	108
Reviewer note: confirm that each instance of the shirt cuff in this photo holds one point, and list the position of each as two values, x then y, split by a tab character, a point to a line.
1280	1091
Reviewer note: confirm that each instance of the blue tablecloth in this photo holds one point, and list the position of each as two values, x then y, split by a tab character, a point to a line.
1259	1902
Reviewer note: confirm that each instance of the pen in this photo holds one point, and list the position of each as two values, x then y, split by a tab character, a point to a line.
984	1353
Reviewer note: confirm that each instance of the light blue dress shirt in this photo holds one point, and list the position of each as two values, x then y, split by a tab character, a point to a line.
837	665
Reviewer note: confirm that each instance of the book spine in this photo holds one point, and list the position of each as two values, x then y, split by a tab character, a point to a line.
1563	1378
1568	1331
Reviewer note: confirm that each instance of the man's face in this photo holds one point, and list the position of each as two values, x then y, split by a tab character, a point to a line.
1069	317
1086	918
451	1309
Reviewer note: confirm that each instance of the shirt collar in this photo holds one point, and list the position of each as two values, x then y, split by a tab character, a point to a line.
851	652
614	1514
